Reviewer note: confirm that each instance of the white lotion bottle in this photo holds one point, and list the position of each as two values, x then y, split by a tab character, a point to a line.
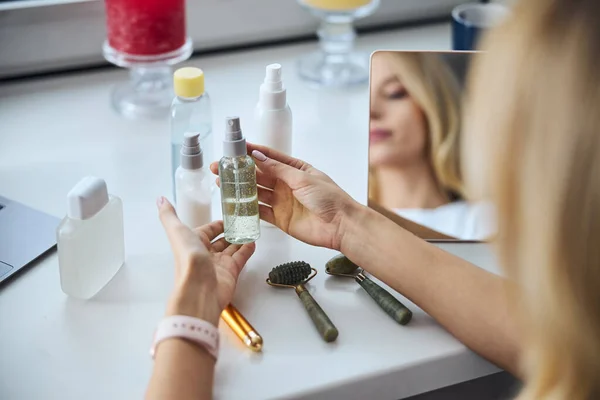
90	239
273	116
193	184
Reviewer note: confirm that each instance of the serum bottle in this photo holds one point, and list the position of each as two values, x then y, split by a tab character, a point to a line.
239	200
192	184
90	239
273	116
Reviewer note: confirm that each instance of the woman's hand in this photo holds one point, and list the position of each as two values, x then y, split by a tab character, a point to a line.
206	271
299	199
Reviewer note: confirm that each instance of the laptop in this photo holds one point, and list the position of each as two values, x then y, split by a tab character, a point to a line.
25	235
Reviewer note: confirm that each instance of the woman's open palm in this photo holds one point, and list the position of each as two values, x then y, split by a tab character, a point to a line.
213	262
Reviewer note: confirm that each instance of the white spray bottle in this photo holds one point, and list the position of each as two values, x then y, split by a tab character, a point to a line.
273	116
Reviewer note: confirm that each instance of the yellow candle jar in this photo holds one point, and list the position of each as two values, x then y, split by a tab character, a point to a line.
337	4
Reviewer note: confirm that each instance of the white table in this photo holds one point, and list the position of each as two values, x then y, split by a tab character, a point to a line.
55	130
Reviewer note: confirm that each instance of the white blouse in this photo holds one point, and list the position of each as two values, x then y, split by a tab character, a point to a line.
460	219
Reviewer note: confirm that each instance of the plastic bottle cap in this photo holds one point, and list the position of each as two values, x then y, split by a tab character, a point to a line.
191	152
87	197
188	82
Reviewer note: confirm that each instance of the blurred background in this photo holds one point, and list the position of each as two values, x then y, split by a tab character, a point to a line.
48	35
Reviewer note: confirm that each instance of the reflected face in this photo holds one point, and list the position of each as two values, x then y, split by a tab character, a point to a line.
398	128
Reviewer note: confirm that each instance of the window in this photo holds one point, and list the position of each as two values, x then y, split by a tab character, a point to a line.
44	35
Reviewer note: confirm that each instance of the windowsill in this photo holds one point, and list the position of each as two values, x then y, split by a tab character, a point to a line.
34	33
23	4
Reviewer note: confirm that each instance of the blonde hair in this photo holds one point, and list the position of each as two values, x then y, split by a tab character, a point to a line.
532	141
433	86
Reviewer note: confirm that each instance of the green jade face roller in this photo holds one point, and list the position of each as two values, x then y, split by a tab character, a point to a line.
294	275
340	265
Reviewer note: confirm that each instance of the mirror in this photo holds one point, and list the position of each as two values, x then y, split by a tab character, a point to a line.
414	134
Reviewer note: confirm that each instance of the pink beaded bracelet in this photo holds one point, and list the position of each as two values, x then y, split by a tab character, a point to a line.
193	329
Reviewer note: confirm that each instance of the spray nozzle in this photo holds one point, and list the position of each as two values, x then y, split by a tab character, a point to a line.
273	80
233	131
234	144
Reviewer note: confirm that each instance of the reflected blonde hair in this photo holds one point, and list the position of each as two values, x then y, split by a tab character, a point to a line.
532	140
432	85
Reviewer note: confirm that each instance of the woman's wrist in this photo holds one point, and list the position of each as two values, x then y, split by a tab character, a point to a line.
352	226
195	300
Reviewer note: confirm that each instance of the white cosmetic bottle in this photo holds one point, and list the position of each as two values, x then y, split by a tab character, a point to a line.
273	116
90	239
193	184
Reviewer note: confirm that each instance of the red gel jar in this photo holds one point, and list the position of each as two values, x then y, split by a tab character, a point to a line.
145	27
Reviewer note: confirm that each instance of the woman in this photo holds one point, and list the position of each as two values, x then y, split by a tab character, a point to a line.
414	144
535	152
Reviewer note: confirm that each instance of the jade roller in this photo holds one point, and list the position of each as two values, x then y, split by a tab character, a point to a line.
295	275
340	265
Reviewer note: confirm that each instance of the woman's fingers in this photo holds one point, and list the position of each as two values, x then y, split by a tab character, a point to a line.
277	156
272	168
266	213
174	228
211	230
242	255
214	168
219	245
265	196
231	249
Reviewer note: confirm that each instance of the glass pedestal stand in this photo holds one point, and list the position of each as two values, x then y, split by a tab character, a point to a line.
336	64
149	91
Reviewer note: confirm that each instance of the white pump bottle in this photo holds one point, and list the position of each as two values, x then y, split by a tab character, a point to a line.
273	116
192	184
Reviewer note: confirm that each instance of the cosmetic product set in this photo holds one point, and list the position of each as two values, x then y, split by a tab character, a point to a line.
91	237
296	274
192	152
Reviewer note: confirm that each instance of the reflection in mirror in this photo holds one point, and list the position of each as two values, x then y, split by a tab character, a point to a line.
414	134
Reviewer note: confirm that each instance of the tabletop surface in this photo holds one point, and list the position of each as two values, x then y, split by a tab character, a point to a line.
55	130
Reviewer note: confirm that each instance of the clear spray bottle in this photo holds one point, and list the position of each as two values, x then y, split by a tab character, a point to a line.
239	200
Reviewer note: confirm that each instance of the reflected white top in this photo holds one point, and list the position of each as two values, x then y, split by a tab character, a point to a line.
460	219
